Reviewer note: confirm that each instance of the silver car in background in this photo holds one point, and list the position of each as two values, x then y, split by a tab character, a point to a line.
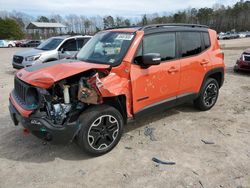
53	49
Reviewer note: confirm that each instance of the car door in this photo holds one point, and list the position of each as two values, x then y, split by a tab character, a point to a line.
68	49
194	62
156	86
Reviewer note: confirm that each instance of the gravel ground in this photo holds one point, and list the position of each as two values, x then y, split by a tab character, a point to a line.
26	162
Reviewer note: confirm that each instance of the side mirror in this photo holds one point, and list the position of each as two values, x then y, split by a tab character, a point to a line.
151	59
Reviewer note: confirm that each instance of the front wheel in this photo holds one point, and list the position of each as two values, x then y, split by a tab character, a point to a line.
101	129
208	95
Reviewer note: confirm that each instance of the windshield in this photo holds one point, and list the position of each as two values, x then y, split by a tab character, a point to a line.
106	48
50	44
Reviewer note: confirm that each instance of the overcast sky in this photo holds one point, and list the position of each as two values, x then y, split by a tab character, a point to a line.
126	8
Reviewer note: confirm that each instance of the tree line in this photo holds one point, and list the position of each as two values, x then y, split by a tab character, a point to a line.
219	17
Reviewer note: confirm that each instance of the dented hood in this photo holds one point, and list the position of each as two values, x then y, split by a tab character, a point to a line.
45	75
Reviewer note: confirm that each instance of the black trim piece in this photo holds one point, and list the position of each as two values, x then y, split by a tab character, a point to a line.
214	71
173	25
166	104
156	107
186	97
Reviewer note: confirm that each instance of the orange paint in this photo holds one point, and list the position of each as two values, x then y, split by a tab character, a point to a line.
156	83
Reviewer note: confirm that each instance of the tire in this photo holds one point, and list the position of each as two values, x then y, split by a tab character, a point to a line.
10	46
208	95
95	137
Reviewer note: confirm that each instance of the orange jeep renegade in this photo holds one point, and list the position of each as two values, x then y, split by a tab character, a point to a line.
120	74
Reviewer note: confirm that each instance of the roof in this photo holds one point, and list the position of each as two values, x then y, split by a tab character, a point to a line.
41	25
158	26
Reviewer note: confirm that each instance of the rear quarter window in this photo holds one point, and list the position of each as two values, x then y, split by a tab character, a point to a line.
206	39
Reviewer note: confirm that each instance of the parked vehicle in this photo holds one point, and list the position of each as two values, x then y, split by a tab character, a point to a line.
31	43
242	35
243	63
18	43
119	75
6	44
50	50
247	34
228	35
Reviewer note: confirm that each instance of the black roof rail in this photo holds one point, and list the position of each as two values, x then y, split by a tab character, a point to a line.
173	25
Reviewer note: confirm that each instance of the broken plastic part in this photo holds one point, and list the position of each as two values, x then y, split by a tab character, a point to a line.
87	92
162	162
66	94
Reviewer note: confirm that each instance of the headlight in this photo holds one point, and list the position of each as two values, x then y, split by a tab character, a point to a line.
32	58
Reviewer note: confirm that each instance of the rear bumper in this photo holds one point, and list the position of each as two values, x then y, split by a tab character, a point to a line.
42	127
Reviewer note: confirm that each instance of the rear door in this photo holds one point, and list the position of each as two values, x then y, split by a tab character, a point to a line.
194	61
68	49
155	85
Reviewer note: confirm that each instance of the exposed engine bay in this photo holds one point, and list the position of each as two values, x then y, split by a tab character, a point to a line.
66	99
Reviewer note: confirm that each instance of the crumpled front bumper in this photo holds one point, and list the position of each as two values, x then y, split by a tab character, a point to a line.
42	127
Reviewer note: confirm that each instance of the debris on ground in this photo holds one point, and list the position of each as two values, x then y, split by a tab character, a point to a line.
195	173
201	184
126	147
150	132
175	130
207	142
163	162
81	172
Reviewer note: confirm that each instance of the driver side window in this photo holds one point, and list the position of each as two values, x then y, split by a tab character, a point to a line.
69	45
162	43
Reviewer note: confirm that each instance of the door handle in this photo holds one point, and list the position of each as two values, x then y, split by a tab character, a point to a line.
173	70
204	62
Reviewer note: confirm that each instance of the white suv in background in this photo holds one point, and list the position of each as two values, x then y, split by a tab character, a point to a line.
52	49
7	44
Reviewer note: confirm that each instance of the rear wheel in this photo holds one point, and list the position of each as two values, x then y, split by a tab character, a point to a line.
208	95
10	46
101	129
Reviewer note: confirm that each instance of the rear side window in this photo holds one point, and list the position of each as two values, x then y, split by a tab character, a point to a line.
206	40
163	44
80	43
190	43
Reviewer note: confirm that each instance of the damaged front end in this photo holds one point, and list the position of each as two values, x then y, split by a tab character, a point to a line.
52	114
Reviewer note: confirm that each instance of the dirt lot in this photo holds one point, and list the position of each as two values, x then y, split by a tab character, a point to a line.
26	162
